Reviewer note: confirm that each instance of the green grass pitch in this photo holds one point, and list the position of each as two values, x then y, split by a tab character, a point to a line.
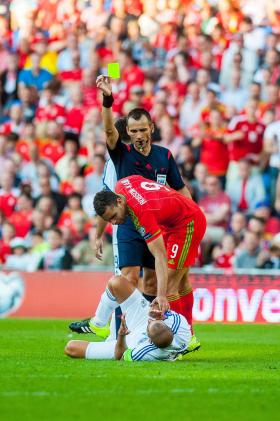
235	376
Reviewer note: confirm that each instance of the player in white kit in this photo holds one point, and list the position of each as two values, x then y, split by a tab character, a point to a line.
145	333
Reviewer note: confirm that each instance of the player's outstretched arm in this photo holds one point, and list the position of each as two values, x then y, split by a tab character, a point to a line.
104	84
157	248
120	346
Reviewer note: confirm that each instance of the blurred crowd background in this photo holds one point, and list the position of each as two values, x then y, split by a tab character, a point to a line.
209	74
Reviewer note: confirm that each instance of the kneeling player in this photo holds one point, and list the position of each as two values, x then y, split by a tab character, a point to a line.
145	333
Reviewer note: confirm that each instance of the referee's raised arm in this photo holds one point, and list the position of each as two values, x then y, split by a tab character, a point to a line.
104	84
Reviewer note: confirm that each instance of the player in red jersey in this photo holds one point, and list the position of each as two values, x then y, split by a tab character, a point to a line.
171	224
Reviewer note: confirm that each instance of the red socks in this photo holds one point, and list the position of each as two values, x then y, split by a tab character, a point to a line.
186	301
175	303
183	303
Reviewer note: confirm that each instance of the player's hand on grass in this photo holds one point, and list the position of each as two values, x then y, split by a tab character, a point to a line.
104	84
98	248
123	330
162	302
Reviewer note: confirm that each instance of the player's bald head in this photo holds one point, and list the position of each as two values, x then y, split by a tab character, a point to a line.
160	334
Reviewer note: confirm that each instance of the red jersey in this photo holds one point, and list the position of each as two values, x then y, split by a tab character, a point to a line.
5	250
224	261
133	76
252	141
74	119
50	112
23	148
214	153
66	188
51	149
154	208
7	202
22	222
71	75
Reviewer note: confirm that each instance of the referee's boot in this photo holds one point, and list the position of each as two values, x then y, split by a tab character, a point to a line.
86	326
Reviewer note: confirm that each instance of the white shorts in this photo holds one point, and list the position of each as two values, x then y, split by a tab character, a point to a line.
136	309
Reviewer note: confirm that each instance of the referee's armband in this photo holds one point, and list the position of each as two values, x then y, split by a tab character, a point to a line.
127	355
108	101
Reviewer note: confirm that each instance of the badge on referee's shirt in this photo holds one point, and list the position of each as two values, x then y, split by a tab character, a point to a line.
161	178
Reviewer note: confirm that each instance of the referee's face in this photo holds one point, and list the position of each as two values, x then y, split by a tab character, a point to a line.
140	132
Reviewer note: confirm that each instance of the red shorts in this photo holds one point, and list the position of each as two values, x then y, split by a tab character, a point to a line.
182	242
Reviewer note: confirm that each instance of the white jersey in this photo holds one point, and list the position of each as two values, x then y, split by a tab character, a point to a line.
109	176
140	347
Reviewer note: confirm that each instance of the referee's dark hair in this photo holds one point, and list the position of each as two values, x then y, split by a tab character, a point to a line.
120	125
103	199
137	113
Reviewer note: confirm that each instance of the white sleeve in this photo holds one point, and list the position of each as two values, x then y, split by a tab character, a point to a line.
109	176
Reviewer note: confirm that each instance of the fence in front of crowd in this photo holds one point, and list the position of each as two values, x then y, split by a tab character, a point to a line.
251	296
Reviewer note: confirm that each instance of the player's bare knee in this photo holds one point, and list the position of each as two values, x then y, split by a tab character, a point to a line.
115	283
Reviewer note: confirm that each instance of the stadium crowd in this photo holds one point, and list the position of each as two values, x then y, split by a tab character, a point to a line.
209	74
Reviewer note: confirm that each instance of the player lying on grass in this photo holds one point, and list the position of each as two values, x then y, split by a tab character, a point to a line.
172	226
146	333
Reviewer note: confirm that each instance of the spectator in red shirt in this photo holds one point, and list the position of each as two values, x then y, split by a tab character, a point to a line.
134	99
22	217
132	74
76	112
223	253
216	205
175	90
66	220
51	147
272	223
26	142
75	74
245	138
66	186
8	194
213	149
15	123
8	233
89	88
48	109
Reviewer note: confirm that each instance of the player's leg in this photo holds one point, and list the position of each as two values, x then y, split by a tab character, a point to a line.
130	268
131	273
149	284
186	297
132	303
182	250
175	277
90	350
149	275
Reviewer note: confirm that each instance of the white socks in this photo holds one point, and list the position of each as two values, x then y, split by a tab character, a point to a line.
106	306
